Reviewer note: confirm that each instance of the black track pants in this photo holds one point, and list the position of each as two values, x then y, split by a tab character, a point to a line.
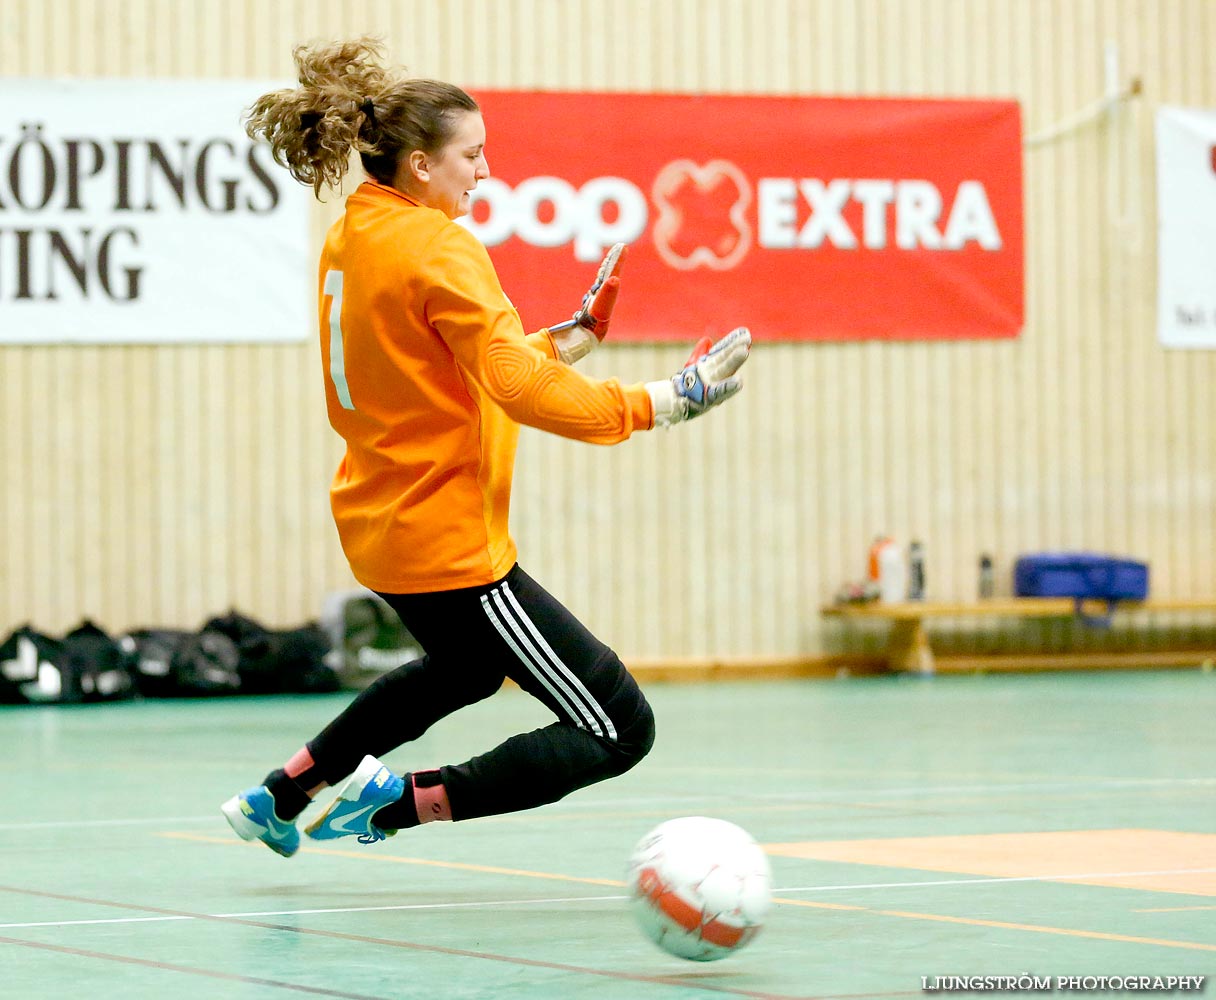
474	638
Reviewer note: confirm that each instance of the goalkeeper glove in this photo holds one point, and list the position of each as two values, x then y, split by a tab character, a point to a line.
589	325
706	380
700	349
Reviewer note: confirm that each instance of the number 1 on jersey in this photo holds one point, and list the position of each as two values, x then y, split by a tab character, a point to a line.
337	359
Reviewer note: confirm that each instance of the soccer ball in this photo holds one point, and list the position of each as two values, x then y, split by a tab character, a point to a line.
700	888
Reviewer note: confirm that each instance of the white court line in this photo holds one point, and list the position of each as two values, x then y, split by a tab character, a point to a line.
107	920
299	913
599	899
131	821
861	794
588	803
426	906
847	795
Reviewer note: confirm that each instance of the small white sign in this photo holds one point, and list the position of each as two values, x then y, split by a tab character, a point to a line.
1186	227
138	211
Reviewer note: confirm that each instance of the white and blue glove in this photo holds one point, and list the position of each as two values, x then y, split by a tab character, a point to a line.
576	337
707	379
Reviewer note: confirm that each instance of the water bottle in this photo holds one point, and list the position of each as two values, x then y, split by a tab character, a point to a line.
987	585
916	572
892	574
874	570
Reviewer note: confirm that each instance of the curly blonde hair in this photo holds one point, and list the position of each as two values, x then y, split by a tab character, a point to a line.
349	100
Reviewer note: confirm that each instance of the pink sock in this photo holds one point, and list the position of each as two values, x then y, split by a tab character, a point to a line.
299	763
431	798
302	770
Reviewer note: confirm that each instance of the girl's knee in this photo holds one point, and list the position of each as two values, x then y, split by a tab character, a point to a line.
635	736
641	730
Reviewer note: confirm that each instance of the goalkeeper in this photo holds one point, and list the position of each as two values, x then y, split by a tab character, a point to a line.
428	375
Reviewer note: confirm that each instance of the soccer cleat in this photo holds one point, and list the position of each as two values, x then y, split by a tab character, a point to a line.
372	787
251	815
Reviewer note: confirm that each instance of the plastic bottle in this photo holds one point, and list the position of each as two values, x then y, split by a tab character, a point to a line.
916	572
892	574
874	572
987	583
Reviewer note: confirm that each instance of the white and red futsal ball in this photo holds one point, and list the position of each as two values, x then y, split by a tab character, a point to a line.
699	887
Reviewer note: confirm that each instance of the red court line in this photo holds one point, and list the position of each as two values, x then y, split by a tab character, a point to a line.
189	970
673	980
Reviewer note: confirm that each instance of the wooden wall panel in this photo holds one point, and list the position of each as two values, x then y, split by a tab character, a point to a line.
159	485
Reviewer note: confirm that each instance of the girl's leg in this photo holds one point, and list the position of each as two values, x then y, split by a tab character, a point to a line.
604	725
473	638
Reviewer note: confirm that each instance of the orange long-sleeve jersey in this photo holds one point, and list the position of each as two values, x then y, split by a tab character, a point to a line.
428	375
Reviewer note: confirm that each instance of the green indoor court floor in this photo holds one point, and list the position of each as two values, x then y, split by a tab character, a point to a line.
1050	825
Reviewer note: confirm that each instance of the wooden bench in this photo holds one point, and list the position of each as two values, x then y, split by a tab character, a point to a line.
909	649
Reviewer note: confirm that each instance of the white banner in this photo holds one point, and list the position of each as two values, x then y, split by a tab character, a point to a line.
1186	227
138	211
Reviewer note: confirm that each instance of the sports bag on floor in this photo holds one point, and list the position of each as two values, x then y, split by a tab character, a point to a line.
30	665
94	666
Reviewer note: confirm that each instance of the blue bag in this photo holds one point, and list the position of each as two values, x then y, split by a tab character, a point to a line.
1084	576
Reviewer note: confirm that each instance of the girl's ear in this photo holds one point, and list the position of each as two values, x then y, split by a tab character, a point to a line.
419	166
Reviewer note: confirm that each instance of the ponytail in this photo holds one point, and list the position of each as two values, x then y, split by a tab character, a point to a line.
348	101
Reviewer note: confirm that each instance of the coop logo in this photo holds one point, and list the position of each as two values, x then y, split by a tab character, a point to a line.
710	215
702	215
551	212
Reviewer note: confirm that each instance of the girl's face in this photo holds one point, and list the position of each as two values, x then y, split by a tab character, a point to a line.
443	180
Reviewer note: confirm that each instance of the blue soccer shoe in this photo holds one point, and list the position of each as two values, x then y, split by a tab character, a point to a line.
251	815
373	786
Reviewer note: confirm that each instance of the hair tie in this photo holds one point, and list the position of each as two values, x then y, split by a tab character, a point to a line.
369	109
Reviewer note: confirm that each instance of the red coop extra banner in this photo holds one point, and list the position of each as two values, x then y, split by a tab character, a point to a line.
804	218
